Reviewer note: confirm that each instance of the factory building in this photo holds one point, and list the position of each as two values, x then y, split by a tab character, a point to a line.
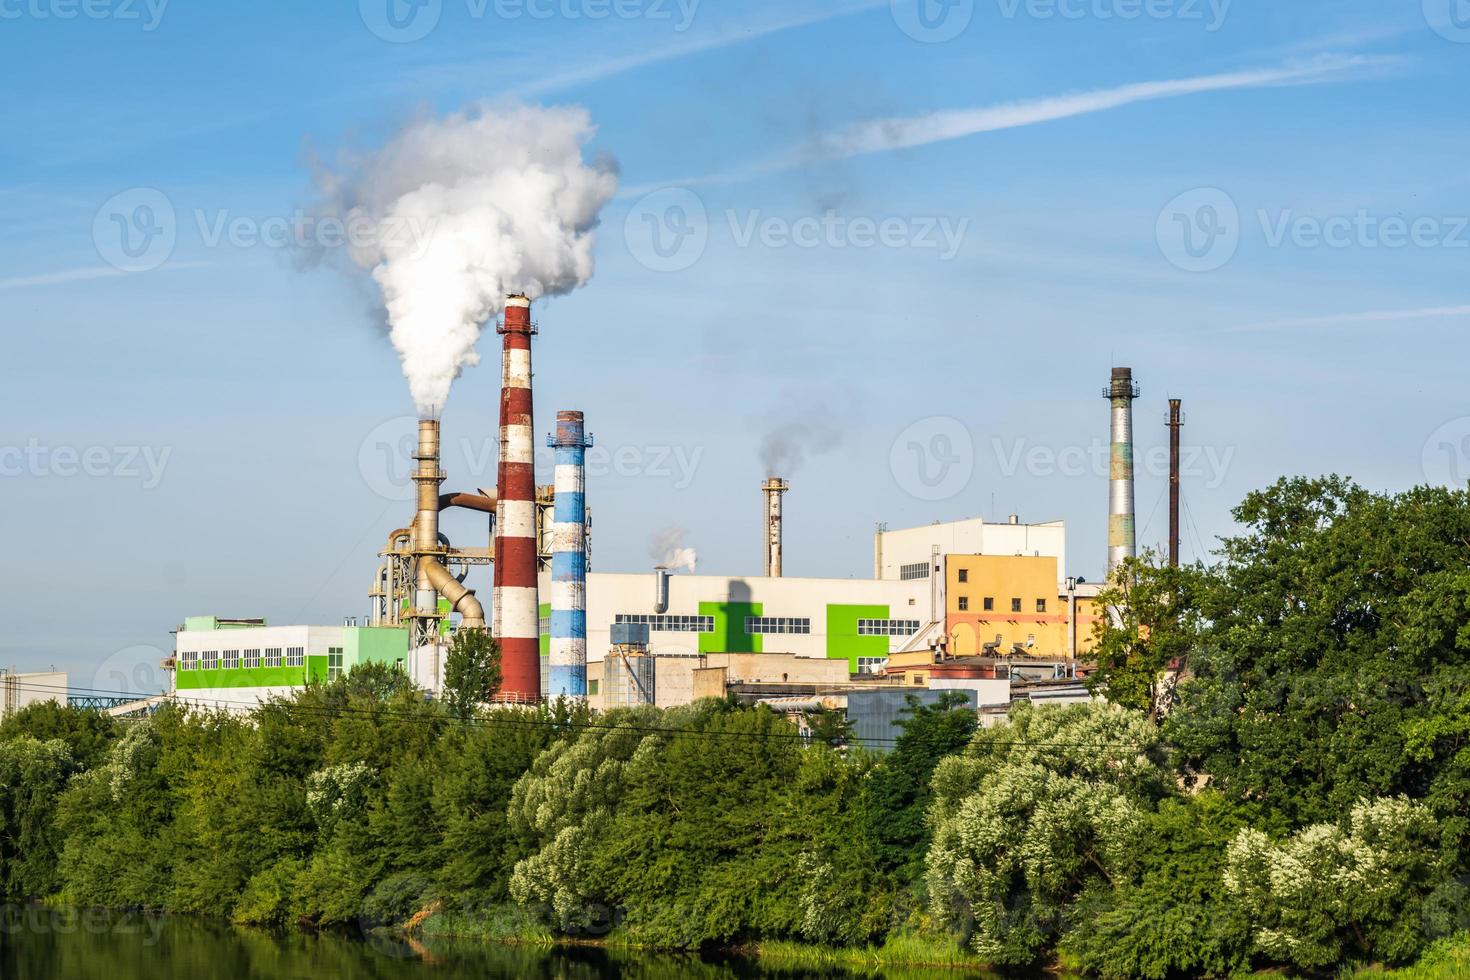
19	690
235	664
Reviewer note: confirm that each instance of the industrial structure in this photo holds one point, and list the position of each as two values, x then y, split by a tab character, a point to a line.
1122	541
516	539
567	660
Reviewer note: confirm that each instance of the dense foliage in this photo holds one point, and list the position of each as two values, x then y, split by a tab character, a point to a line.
1279	777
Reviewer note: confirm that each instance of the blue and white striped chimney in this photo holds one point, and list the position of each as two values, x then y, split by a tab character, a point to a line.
567	665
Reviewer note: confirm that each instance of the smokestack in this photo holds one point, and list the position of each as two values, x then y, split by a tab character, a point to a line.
1176	422
567	669
517	609
774	488
1122	543
427	477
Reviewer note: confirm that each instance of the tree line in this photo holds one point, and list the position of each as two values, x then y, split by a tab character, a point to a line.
1277	775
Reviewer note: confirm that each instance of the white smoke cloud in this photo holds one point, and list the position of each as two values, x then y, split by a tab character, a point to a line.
668	549
468	209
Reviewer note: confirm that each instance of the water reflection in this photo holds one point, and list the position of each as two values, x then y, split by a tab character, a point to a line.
45	944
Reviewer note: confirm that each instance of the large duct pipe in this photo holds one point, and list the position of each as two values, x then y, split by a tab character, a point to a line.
462	599
660	589
567	664
1176	422
1122	543
774	488
483	503
517	607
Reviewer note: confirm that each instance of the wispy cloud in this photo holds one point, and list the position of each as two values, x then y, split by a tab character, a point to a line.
1348	319
61	277
905	132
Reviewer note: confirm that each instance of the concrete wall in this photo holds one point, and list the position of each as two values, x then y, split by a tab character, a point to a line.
20	690
976	536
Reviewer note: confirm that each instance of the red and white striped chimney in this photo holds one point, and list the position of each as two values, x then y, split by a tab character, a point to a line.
517	607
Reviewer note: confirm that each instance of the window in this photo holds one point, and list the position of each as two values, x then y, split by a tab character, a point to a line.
1041	605
918	679
669	624
989	604
887	627
871	665
273	657
296	656
189	661
964	603
1015	605
230	660
545	624
209	660
777	624
910	572
964	575
592	687
251	660
334	663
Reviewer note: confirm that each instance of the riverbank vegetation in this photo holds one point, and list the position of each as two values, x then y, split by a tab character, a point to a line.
1298	799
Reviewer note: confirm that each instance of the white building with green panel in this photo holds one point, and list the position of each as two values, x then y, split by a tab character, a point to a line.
236	664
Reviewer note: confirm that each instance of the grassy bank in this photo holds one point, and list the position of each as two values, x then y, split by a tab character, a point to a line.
900	950
1446	960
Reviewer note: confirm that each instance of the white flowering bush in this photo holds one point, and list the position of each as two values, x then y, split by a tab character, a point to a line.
1332	893
1032	813
338	793
130	755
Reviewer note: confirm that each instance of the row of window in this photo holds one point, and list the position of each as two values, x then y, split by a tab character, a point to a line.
887	627
908	573
247	659
777	624
670	624
988	604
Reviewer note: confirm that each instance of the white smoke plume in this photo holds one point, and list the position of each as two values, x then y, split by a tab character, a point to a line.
668	549
465	210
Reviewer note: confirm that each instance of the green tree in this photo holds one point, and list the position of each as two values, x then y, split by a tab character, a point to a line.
32	776
87	733
1149	627
471	671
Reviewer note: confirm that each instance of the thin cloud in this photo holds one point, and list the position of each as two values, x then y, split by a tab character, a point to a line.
905	132
83	274
1347	319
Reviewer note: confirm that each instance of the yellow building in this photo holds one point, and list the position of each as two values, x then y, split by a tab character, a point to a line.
1012	604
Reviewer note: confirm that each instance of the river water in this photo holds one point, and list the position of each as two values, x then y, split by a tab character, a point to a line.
44	944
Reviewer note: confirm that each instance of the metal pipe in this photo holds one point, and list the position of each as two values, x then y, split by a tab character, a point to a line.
460	598
1176	422
484	503
1122	543
427	477
567	664
774	488
661	589
517	606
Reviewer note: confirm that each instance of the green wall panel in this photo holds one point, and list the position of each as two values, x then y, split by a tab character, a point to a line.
843	642
544	612
256	677
374	644
729	635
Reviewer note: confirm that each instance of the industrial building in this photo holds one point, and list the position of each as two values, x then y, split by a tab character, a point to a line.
19	690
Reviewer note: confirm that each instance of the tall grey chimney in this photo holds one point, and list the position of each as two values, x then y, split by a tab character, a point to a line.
1122	542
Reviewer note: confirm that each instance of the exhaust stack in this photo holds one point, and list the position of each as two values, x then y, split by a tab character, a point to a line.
660	589
774	488
1176	422
517	609
1122	542
567	667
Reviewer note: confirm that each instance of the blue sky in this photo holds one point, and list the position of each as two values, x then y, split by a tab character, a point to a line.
1259	206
